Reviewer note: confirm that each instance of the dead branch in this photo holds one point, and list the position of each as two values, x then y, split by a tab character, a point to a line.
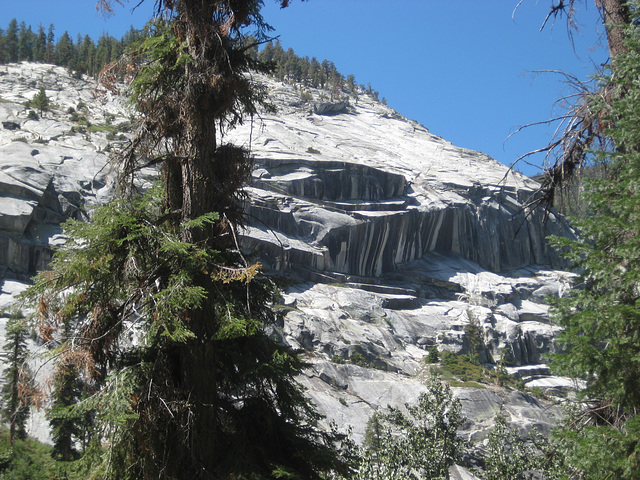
579	132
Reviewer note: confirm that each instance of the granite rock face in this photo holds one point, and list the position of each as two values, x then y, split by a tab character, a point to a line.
401	240
51	168
394	239
365	190
368	342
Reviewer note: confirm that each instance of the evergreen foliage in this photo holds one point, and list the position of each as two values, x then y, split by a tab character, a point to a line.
40	101
601	318
86	56
26	459
20	43
17	379
25	43
433	356
289	67
128	271
417	442
200	391
510	457
70	426
10	42
65	50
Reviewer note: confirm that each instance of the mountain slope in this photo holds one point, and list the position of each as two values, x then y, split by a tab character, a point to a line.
394	240
365	176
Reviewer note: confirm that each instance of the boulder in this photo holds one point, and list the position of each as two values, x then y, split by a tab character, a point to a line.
11	126
327	108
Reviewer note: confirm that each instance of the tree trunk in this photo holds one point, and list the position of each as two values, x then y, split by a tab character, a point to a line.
196	192
615	16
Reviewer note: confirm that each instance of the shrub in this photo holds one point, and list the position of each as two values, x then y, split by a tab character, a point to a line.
358	359
337	359
433	356
419	441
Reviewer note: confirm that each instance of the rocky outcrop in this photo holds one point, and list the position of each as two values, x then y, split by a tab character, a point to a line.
325	108
394	240
363	192
368	342
52	167
402	241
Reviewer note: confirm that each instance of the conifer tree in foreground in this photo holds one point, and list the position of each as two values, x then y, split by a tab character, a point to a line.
17	377
202	391
601	318
68	425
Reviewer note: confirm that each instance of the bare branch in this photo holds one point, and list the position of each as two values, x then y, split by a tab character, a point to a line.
555	10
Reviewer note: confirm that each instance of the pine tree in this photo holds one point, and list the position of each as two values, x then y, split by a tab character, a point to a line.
50	52
40	100
115	49
11	41
86	56
315	72
601	318
68	423
40	45
417	442
26	39
3	52
204	393
17	379
64	52
352	85
103	52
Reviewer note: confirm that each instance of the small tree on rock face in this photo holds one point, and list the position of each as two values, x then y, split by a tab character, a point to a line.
17	379
40	100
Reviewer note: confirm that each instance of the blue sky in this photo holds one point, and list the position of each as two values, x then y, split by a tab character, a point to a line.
462	68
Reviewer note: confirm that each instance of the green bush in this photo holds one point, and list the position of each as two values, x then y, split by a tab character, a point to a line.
418	441
433	356
358	359
103	128
26	459
337	359
460	369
